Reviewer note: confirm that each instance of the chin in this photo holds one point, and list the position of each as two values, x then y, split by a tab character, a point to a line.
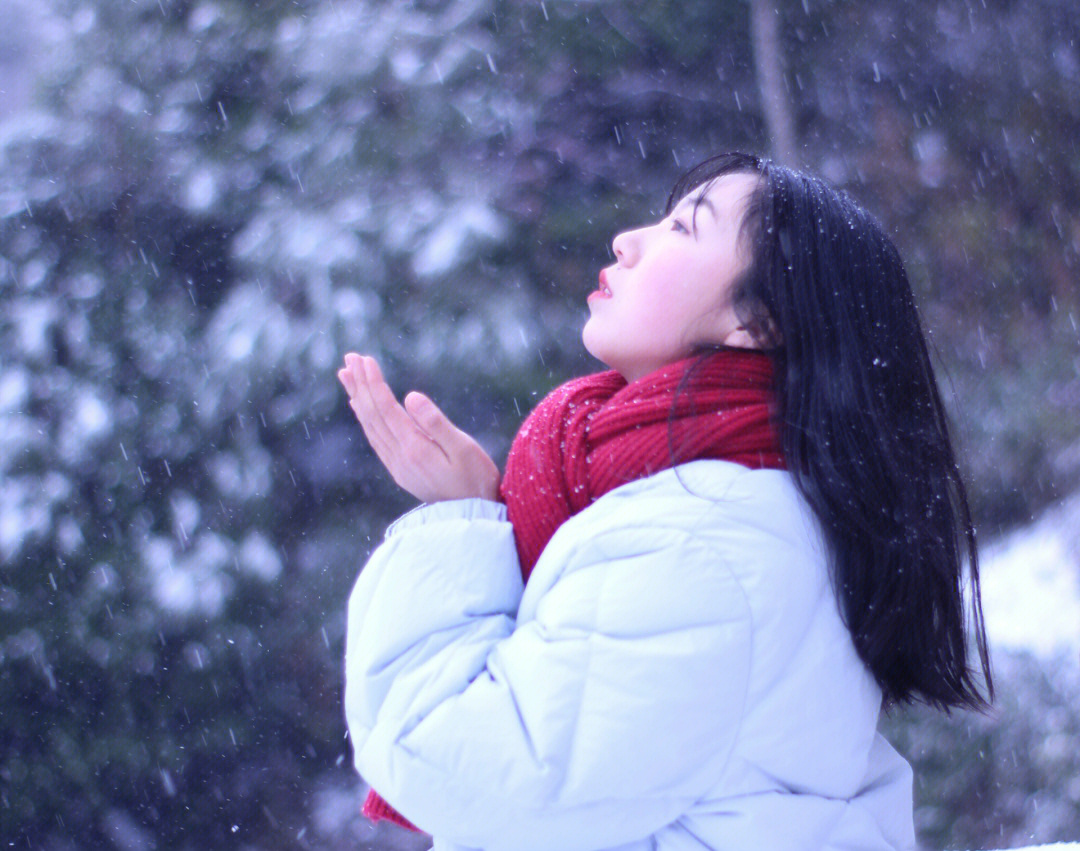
586	340
595	351
593	346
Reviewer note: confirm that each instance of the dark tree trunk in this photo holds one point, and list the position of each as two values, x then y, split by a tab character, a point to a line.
769	63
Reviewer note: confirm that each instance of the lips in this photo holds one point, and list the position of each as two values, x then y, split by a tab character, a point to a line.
604	291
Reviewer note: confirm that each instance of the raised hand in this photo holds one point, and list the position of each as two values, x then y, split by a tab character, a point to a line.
423	451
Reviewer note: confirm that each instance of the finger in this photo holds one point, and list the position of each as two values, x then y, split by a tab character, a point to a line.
432	420
395	418
429	417
346	379
351	372
352	366
407	453
353	381
378	434
387	455
362	407
350	359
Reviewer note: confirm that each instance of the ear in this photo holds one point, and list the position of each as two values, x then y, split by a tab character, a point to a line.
760	333
741	338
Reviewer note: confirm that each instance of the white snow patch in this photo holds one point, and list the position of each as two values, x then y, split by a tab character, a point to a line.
33	274
190	583
83	20
248	324
69	535
334	809
203	17
931	152
186	514
405	64
290	30
1031	585
351	306
26	509
298	238
85	285
33	320
259	557
91	415
21	516
131	100
239	344
241	477
449	239
200	191
26	126
1056	846
304	238
14	389
88	422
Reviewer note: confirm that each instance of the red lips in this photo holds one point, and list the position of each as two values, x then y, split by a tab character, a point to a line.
604	291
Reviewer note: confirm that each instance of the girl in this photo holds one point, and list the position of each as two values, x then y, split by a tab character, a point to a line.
740	543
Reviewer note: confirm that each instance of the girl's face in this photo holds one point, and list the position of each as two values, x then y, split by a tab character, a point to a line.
669	290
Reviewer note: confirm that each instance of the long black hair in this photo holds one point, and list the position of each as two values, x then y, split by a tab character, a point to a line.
863	428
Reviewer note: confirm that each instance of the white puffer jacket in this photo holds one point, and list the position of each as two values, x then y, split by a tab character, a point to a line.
675	676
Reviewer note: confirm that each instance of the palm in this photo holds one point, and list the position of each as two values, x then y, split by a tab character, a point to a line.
423	451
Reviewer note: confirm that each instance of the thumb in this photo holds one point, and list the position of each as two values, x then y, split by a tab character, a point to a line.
427	415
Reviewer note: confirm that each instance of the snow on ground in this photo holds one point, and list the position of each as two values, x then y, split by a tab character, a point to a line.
1057	846
1031	585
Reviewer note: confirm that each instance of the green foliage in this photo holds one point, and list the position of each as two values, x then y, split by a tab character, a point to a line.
215	199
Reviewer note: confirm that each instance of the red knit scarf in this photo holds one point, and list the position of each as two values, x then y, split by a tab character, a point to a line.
598	432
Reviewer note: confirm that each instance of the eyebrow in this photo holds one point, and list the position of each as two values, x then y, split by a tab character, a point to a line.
699	201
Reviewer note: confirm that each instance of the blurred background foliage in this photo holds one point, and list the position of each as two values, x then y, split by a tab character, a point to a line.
204	204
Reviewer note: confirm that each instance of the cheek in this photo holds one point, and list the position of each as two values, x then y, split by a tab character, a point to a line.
666	270
662	322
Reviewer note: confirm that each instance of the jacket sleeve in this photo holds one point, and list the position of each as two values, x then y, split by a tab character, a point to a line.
592	724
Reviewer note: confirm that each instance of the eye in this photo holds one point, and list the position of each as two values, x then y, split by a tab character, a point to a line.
679	227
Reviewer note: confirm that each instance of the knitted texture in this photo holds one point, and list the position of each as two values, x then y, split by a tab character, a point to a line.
376	809
597	432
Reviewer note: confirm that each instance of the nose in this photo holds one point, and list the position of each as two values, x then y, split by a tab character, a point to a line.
627	247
